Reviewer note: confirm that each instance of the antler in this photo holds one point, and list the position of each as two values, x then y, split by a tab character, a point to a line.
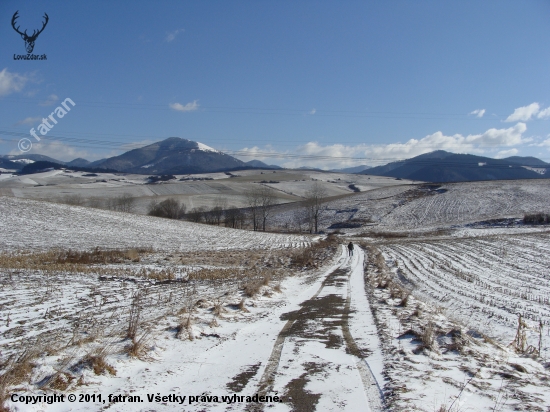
43	26
15	16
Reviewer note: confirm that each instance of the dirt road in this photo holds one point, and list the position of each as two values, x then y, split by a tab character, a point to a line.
316	363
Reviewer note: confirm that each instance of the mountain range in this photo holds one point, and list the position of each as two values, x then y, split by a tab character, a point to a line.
442	166
181	156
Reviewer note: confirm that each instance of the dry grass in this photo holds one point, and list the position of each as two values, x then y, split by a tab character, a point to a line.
56	260
97	363
315	255
242	306
138	347
428	337
206	274
185	329
219	309
252	288
16	369
135	313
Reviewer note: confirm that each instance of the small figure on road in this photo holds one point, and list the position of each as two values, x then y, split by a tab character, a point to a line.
350	249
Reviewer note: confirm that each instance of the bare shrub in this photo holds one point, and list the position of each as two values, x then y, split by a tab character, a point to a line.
138	347
315	254
95	362
169	208
252	288
537	218
75	200
185	329
219	309
428	336
123	203
60	381
95	202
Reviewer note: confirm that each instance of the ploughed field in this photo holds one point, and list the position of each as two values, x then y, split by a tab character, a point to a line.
484	282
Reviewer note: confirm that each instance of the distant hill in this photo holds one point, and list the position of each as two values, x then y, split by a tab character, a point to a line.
41	166
442	166
19	161
258	164
79	162
355	169
527	161
171	156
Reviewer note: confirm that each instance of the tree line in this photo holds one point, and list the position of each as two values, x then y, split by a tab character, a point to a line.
256	215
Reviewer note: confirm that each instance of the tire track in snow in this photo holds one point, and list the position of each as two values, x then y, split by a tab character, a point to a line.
315	313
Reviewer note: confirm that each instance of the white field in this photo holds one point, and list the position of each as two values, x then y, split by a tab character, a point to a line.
326	338
28	224
57	184
483	282
405	207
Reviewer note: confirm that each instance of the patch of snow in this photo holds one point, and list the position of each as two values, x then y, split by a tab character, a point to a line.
206	148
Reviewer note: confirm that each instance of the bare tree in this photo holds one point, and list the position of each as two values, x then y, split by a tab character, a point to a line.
234	218
267	199
253	203
218	210
197	214
314	205
169	208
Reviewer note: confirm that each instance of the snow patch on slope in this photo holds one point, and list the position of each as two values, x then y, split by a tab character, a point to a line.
206	148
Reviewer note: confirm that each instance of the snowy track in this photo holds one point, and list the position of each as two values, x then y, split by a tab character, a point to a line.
333	372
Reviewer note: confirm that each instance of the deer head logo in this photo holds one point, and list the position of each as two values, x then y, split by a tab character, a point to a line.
29	40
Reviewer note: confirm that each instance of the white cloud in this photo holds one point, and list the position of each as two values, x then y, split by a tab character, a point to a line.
543	114
50	101
544	143
11	82
312	111
478	112
55	149
524	113
339	155
29	120
506	153
189	107
172	35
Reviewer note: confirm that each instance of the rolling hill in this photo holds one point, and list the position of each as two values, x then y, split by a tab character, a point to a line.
442	166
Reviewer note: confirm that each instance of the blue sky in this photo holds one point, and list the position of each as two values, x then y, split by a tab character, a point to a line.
335	80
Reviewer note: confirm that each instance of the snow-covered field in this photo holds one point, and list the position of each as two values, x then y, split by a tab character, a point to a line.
483	282
421	322
28	224
194	190
427	206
